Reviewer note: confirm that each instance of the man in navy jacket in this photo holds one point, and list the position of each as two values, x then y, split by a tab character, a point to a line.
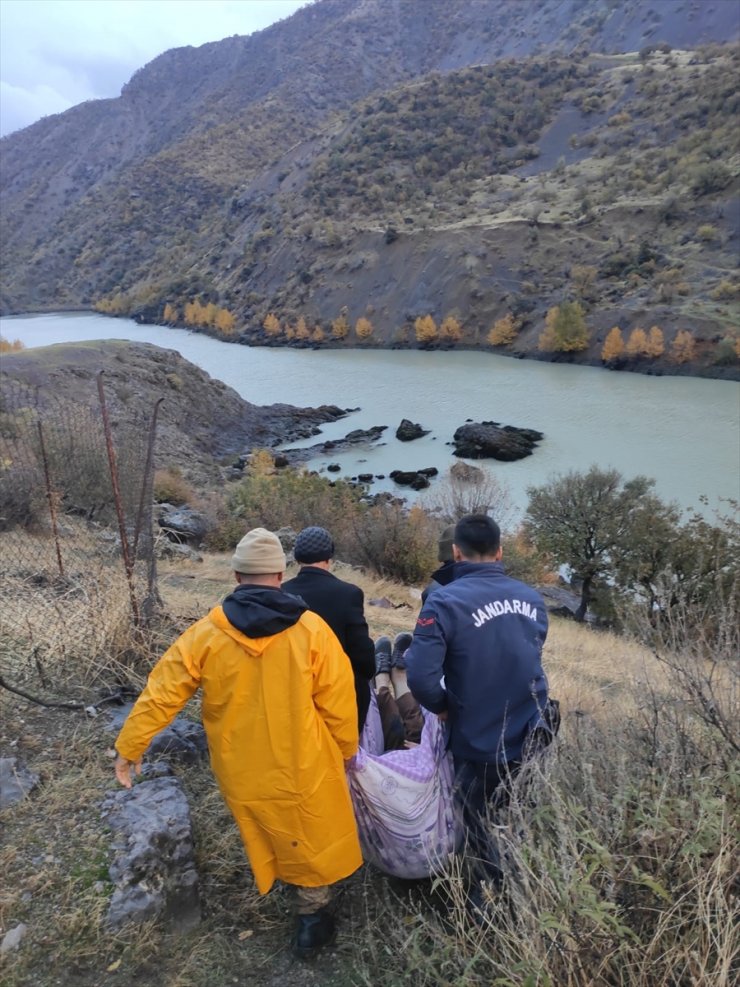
476	661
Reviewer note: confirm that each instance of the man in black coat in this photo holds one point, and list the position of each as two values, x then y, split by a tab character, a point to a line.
340	604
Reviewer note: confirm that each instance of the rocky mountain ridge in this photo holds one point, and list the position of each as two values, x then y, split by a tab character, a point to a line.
391	160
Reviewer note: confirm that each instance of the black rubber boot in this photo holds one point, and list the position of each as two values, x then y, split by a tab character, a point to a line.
313	932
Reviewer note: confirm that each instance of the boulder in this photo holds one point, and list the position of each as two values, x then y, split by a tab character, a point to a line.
466	473
365	477
153	868
182	740
490	440
416	479
183	524
12	938
407	431
15	781
333	467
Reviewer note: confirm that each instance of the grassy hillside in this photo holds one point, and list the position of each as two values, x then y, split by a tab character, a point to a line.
622	875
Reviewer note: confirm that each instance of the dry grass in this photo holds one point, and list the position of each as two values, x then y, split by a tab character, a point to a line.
620	876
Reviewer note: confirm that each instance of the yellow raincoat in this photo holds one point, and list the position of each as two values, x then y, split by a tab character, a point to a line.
280	716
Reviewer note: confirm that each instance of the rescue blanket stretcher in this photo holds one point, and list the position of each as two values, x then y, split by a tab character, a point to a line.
403	800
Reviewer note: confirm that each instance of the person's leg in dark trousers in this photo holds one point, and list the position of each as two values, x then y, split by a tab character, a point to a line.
481	791
391	719
412	717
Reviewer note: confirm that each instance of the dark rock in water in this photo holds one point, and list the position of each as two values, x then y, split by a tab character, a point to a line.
429	471
380	476
490	440
334	467
358	436
154	865
415	479
182	524
402	478
365	477
364	434
407	431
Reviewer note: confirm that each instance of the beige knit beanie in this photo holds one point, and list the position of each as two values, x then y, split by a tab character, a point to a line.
259	553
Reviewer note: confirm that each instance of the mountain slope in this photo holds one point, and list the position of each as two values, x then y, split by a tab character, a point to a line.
255	173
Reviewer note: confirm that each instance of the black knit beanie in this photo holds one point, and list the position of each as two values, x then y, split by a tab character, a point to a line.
313	544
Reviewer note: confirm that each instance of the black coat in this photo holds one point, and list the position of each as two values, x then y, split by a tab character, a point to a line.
341	605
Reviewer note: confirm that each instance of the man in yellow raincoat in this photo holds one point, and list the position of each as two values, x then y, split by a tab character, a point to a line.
280	716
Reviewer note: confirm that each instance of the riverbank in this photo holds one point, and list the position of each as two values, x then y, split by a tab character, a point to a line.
662	366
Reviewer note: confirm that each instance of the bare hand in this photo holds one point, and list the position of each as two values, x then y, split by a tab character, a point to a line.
123	770
409	744
442	717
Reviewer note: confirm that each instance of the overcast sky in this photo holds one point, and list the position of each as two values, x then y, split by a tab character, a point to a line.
56	53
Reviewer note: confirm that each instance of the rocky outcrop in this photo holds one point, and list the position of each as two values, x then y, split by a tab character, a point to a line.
16	781
490	440
182	525
357	437
153	868
200	421
465	473
407	431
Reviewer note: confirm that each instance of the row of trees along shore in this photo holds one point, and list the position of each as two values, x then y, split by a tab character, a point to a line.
565	331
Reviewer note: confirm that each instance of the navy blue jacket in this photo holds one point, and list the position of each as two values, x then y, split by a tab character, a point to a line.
484	633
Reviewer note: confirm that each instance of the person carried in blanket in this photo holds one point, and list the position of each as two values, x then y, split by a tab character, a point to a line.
400	713
476	661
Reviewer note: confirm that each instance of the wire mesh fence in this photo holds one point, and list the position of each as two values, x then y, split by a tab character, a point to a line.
77	564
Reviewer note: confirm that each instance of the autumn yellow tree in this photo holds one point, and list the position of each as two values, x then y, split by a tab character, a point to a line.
340	327
655	342
7	347
684	347
225	322
565	329
318	335
637	344
613	346
190	313
425	328
451	329
301	329
363	328
209	314
170	313
271	325
503	331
